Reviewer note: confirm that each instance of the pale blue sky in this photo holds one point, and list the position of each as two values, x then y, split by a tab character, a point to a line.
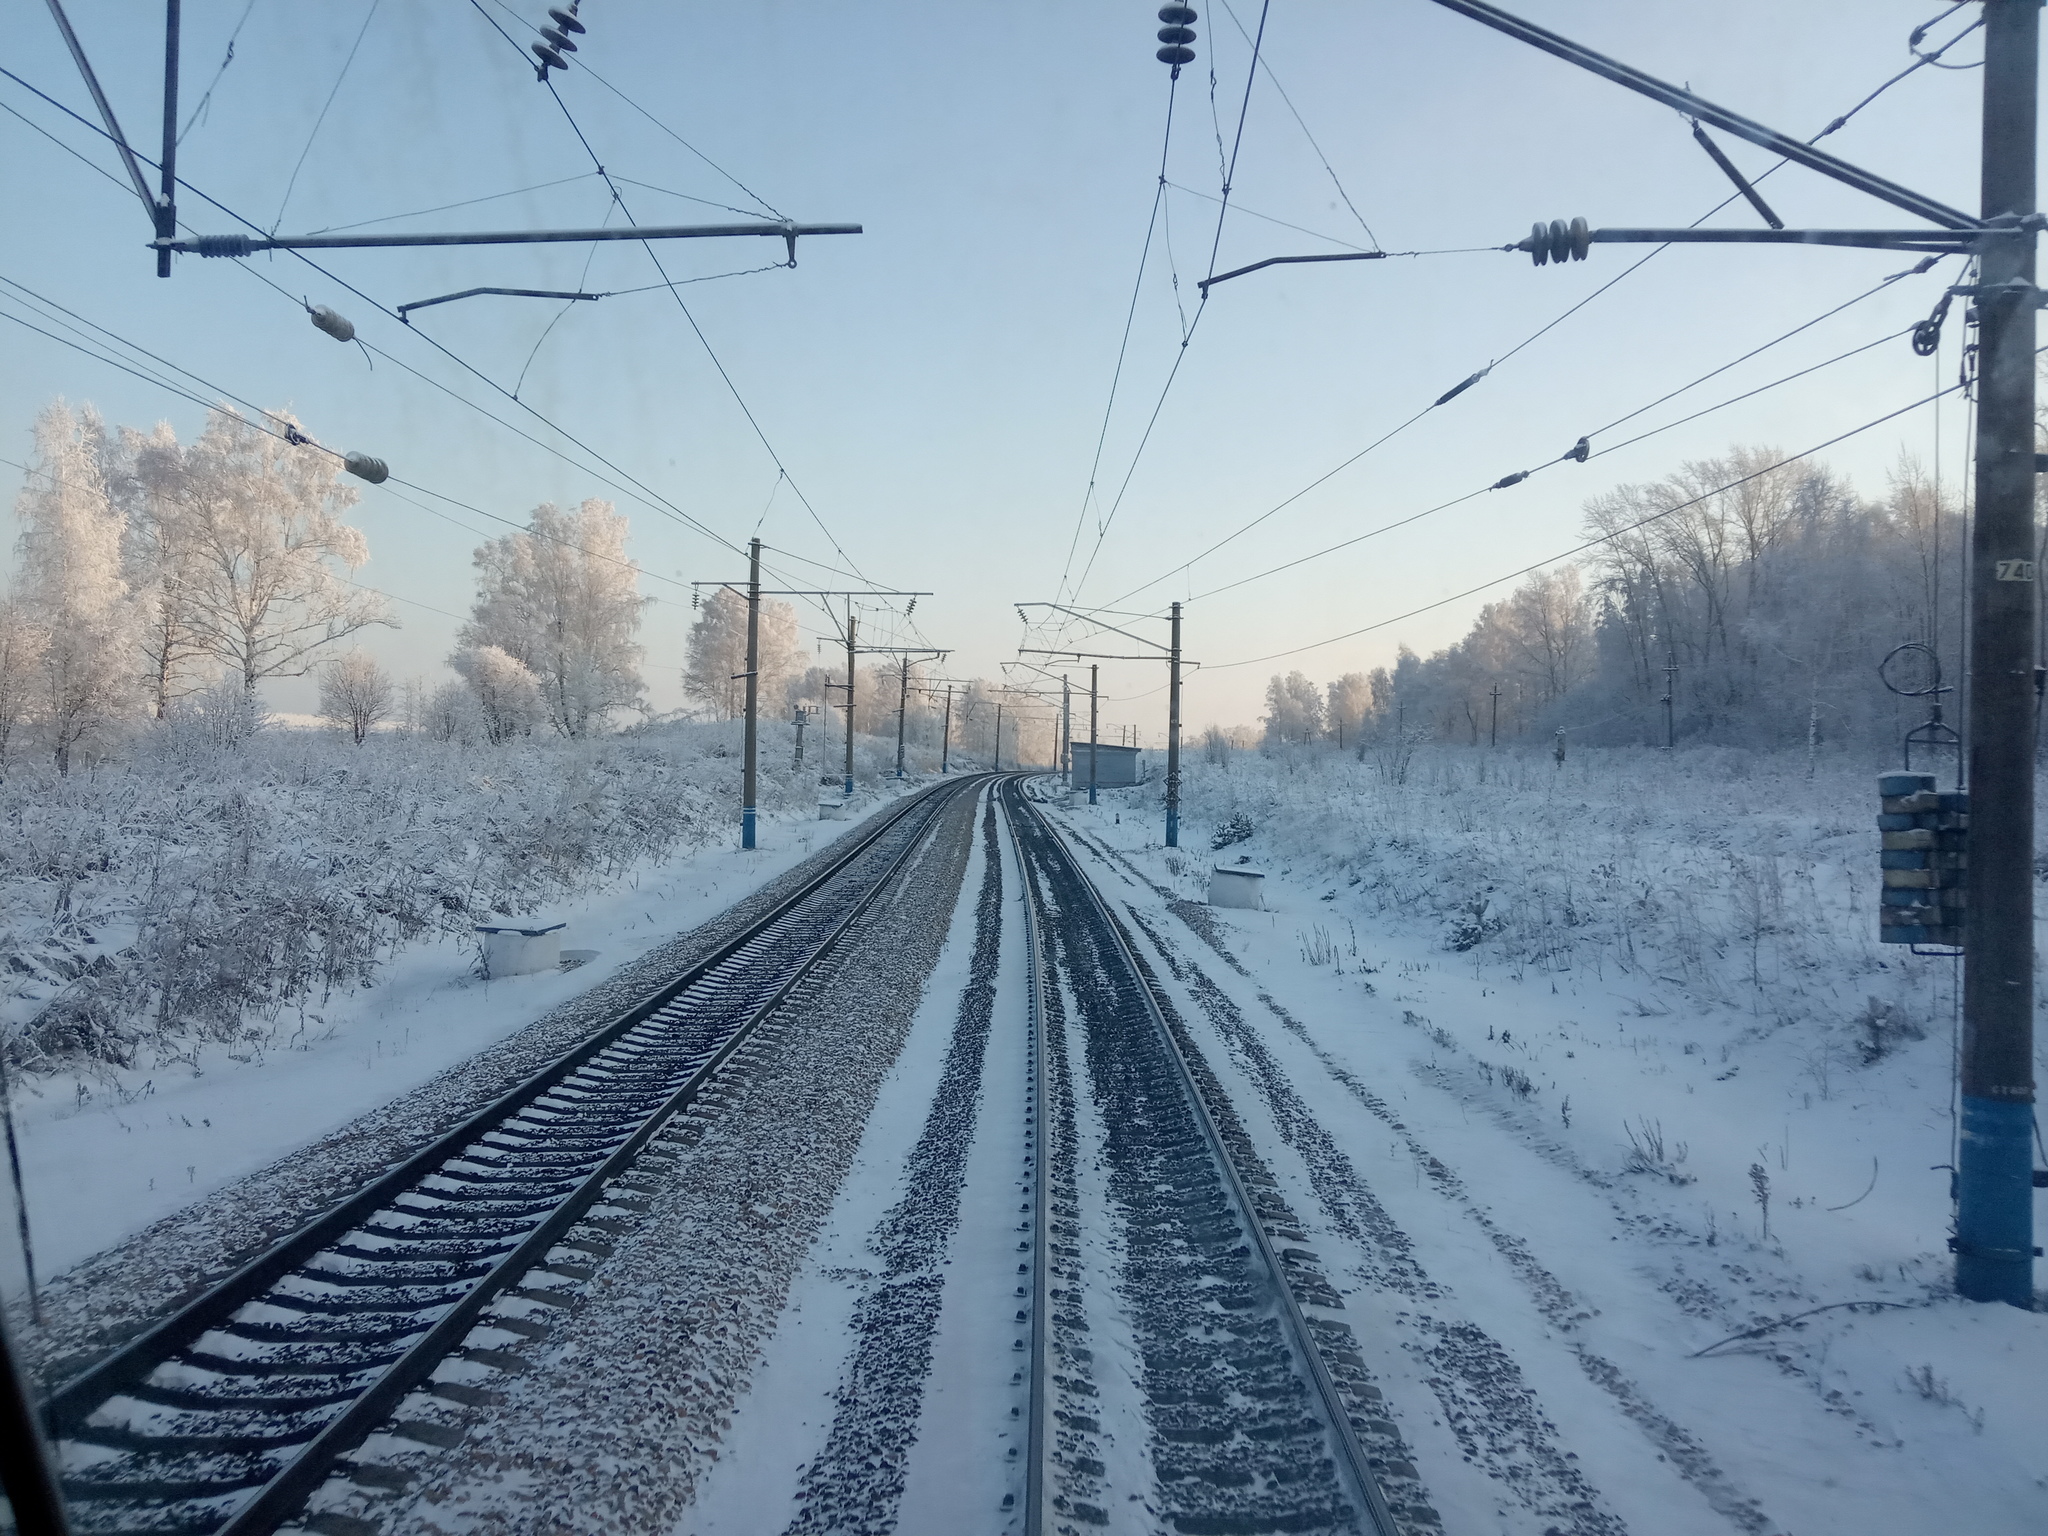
936	385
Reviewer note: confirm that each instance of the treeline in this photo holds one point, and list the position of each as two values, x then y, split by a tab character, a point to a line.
1760	597
160	582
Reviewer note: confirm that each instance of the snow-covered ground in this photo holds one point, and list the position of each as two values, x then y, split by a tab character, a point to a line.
105	1152
1573	1028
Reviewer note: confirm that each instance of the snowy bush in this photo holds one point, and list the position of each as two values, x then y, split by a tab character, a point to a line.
203	890
1729	873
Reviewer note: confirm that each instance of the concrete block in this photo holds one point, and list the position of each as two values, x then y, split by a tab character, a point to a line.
1237	887
520	949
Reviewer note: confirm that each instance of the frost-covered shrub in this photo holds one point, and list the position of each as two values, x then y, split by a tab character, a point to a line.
191	891
1732	874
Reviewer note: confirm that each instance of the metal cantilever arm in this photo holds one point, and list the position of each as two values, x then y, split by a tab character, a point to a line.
1707	112
469	293
244	245
1880	239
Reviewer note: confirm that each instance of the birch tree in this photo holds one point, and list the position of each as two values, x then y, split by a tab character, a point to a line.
148	483
355	694
71	586
508	696
21	655
266	588
563	600
718	653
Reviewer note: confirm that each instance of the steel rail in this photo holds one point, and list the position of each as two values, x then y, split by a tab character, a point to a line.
1353	1466
74	1402
1038	1434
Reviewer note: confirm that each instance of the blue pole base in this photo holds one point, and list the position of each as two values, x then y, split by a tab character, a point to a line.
1994	1241
1091	794
849	786
1173	829
747	827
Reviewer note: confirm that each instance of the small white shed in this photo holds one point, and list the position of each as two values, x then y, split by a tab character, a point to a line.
1237	886
520	949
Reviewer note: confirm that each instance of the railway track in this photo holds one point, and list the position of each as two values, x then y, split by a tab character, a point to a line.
1250	1394
223	1417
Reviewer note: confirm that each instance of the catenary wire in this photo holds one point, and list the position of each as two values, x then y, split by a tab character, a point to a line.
467	202
206	97
1201	306
1123	345
583	67
641	492
1274	80
1628	271
222	394
634	488
326	106
1605	538
1478	491
704	341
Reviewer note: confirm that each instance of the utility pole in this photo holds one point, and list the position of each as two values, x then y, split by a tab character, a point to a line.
902	710
1173	733
946	733
1171	654
903	696
849	697
1670	692
1067	731
999	737
752	595
1994	1239
166	209
1493	720
749	774
1093	669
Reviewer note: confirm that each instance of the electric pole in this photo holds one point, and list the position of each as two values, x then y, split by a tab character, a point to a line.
1175	662
749	775
1173	734
849	697
999	737
753	595
1093	669
902	712
1994	1239
903	698
1670	692
1067	731
1493	720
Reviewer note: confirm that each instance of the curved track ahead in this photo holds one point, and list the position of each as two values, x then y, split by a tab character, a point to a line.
225	1415
1246	1373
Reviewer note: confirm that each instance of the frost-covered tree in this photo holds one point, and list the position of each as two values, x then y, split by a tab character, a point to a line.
509	701
355	694
147	481
450	713
267	585
1294	708
71	586
21	654
718	653
1349	707
563	600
